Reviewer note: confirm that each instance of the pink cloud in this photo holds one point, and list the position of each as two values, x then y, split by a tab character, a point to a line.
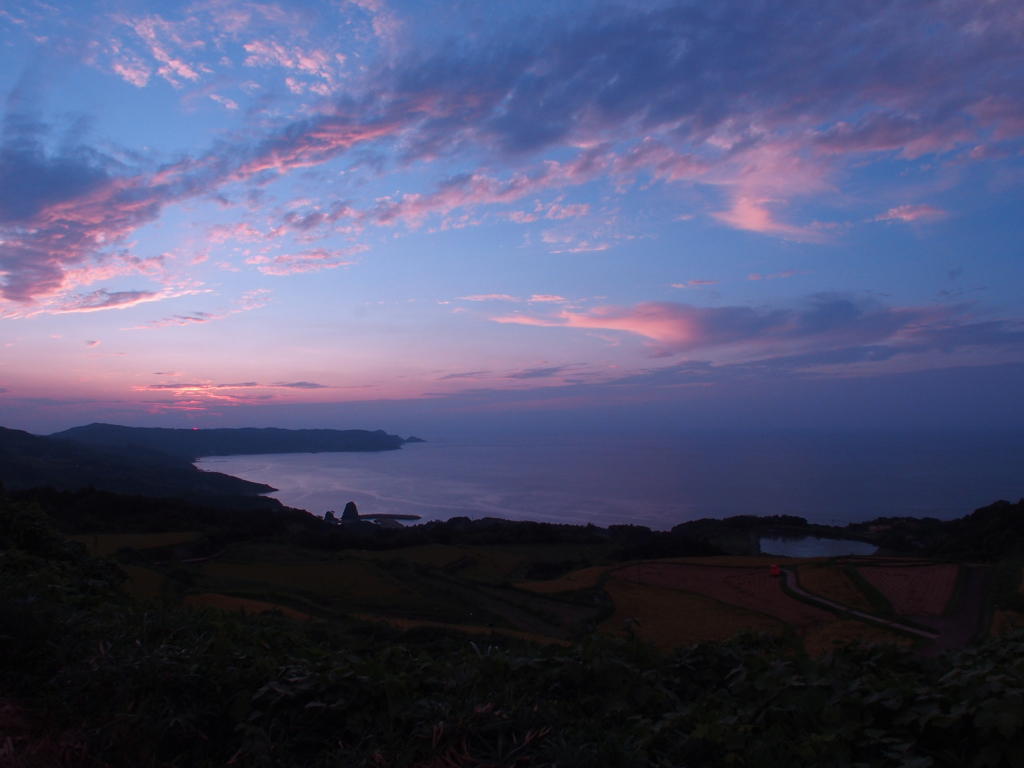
312	260
787	273
194	318
242	230
488	297
101	299
567	211
479	188
694	283
569	242
790	110
828	321
910	213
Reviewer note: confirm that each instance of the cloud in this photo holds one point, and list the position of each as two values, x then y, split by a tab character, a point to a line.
254	299
193	318
694	283
102	299
567	211
198	387
788	273
764	110
92	344
910	213
464	375
829	328
546	298
754	215
537	373
488	297
312	260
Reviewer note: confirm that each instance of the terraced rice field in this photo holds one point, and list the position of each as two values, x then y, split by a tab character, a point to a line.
739	561
108	543
1006	621
469	629
228	603
670	618
432	555
913	590
487	564
581	579
754	589
824	639
143	583
832	583
349	580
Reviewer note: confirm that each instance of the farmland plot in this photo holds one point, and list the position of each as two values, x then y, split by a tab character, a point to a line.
751	588
240	604
914	590
670	618
103	544
826	638
348	581
832	583
581	579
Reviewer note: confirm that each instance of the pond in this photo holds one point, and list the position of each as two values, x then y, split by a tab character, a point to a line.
813	546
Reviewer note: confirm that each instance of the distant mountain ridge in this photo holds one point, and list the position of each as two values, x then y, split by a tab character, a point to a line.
191	444
31	461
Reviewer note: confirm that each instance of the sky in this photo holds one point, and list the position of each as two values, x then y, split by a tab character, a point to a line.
401	214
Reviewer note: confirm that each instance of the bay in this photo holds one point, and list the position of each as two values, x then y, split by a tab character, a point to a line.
658	480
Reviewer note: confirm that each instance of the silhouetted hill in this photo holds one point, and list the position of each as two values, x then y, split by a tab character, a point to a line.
192	443
30	461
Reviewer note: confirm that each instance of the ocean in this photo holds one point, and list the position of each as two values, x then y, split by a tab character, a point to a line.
657	480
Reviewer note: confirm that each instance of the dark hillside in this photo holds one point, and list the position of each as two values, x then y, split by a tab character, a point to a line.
190	444
989	533
144	684
29	461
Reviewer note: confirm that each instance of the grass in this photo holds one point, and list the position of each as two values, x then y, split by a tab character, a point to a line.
485	564
739	561
826	638
1004	622
350	582
584	578
833	582
469	629
430	555
880	604
143	583
108	543
241	604
669	618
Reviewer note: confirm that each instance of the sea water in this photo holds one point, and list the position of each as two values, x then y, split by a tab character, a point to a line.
658	480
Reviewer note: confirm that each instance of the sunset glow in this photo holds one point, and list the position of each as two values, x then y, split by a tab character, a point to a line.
220	205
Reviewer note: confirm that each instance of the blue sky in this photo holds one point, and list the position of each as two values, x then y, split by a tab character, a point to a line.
682	213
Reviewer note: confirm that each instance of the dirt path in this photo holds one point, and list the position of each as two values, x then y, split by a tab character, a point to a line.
514	607
795	588
955	630
752	588
959	628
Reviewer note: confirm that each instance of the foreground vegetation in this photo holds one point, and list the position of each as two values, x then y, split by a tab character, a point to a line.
96	678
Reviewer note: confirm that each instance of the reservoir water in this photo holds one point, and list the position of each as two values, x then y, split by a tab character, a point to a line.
655	480
813	546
